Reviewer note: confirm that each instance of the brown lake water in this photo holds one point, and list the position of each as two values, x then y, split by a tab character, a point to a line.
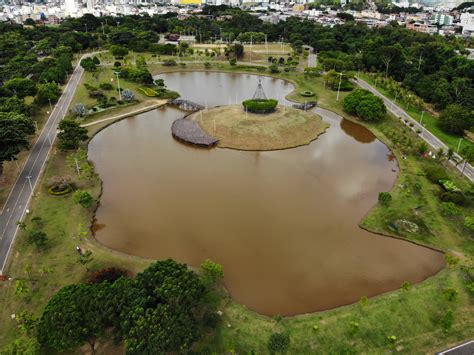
284	224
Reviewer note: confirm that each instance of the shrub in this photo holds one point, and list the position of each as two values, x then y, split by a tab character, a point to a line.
448	185
385	198
169	63
210	319
447	320
83	198
435	173
469	223
273	69
79	109
60	181
89	87
278	342
307	93
207	65
37	238
148	92
128	95
106	86
58	191
96	94
449	209
422	148
454	197
108	274
211	272
117	64
260	105
450	294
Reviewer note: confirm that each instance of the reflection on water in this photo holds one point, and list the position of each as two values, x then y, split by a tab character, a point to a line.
284	224
356	131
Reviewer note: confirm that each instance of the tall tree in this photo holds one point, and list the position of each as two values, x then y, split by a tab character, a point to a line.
14	131
21	87
71	134
72	317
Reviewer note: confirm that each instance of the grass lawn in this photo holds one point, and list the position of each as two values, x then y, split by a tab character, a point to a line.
430	121
101	76
282	129
45	272
420	319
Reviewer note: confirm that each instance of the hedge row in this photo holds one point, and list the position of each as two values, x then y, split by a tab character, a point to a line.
260	105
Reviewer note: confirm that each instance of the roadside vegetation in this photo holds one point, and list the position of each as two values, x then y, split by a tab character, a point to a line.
416	108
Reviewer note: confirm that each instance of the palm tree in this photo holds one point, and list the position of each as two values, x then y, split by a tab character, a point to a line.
450	154
468	154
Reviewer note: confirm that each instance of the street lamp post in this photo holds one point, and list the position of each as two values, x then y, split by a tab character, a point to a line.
421	119
118	85
459	145
339	86
393	102
50	106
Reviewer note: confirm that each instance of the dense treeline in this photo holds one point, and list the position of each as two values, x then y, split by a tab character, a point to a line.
34	59
165	308
432	66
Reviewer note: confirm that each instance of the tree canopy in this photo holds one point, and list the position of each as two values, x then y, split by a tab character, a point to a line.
365	105
14	131
159	311
71	134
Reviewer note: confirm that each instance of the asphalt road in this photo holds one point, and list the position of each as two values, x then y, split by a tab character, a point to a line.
427	136
21	193
464	349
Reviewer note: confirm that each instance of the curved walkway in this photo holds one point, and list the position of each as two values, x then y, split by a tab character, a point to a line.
127	114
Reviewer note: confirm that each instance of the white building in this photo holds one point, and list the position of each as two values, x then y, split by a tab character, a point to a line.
70	7
467	23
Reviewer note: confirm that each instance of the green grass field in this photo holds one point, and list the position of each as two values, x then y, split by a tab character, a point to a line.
420	319
285	128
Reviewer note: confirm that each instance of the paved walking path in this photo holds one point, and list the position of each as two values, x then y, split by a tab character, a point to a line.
427	136
128	114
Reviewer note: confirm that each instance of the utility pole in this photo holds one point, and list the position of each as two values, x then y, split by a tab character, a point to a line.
118	85
339	86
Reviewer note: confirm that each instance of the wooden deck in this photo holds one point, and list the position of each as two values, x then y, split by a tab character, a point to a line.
190	132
